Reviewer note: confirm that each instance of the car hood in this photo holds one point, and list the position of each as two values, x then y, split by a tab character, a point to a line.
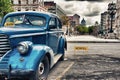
14	32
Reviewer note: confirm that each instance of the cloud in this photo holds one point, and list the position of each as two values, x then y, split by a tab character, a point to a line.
92	10
84	9
68	12
88	9
95	13
69	5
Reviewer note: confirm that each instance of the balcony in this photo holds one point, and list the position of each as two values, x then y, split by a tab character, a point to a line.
26	4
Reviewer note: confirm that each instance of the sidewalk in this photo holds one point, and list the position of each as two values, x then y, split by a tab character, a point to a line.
89	39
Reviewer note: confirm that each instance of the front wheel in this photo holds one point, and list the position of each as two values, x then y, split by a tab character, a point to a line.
43	70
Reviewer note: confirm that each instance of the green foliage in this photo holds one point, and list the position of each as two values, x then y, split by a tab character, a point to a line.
90	29
82	29
5	7
65	20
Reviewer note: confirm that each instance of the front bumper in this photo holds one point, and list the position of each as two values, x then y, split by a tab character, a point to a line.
16	73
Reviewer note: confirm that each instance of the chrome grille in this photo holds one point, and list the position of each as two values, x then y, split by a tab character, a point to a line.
4	44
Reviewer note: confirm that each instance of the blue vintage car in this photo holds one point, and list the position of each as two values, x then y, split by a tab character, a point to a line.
30	44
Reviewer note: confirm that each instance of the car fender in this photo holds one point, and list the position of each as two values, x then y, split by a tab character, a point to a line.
62	45
32	59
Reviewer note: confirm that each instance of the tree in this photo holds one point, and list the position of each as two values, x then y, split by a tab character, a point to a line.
65	20
82	29
5	7
96	23
90	29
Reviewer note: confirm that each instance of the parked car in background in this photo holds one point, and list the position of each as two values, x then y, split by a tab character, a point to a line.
30	44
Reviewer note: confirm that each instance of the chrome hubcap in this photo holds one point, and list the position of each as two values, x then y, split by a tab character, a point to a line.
41	68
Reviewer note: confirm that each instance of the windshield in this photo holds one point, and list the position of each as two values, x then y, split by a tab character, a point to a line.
30	20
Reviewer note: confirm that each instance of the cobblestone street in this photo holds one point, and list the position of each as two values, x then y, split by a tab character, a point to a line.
101	62
94	67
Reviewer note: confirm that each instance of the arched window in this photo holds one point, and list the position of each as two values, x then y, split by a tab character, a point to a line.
34	1
19	10
27	10
27	2
12	1
34	10
19	1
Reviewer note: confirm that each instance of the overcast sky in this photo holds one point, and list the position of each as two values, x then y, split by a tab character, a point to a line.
90	10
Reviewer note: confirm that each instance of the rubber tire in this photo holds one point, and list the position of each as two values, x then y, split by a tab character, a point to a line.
44	76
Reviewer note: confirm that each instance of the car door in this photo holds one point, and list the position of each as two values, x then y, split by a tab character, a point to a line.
53	35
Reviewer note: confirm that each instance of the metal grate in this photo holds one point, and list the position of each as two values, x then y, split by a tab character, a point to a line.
4	44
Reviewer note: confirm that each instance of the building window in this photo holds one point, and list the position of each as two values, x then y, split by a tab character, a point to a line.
34	1
19	10
27	9
26	1
33	9
19	1
12	1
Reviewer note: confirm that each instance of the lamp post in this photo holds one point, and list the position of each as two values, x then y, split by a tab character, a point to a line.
111	12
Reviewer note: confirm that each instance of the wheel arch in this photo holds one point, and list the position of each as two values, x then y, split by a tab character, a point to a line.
62	45
49	58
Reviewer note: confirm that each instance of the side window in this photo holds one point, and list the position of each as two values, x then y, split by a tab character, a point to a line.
59	25
52	23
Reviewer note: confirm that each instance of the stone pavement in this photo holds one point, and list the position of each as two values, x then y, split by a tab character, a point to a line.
93	67
89	39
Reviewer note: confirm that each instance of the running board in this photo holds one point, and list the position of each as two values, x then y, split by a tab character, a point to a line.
57	57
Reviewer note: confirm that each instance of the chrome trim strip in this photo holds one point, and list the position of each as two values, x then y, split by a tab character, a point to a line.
4	55
26	35
33	34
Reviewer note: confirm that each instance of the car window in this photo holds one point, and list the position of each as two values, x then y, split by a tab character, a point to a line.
52	23
30	20
35	20
12	20
59	25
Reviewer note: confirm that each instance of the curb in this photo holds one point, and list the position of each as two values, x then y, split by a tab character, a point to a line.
93	41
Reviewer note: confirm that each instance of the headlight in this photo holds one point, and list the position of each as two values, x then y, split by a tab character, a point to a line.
23	47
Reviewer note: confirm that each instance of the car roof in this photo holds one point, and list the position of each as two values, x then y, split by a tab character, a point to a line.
34	12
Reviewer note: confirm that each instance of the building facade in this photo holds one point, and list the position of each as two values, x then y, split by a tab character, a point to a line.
117	30
54	8
73	22
104	28
28	5
108	22
112	20
76	19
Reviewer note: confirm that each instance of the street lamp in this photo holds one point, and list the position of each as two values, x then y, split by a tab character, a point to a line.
112	12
